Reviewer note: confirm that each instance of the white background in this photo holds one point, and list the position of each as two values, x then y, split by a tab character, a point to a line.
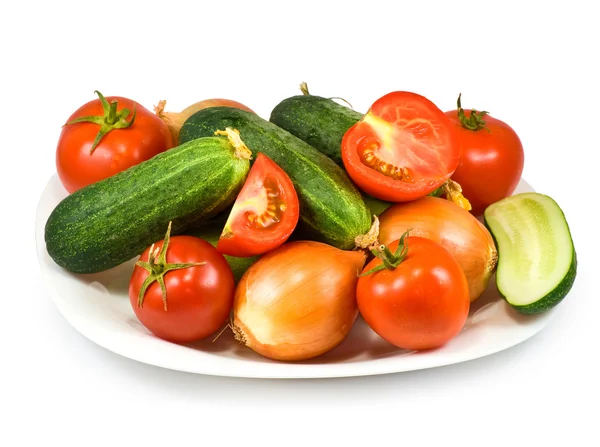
534	67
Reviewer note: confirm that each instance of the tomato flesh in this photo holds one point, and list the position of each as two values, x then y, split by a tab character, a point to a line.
264	214
402	149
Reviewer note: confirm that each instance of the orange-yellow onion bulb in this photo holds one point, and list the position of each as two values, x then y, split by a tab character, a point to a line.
297	301
451	226
175	120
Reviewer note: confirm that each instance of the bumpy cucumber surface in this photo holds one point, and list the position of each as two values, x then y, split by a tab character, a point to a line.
112	221
537	262
321	122
331	208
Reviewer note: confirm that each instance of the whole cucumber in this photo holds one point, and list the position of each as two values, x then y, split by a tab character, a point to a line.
331	208
114	220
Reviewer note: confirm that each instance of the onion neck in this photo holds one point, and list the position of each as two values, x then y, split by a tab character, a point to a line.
159	110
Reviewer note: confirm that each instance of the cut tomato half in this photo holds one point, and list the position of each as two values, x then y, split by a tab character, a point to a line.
264	214
402	149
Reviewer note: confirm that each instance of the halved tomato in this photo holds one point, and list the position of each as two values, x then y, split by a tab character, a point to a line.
402	149
264	214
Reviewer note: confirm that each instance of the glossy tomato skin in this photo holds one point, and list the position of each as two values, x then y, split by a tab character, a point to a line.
421	304
491	162
265	213
199	298
411	132
118	150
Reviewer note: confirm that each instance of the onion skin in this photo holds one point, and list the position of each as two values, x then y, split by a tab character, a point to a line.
454	228
174	120
297	301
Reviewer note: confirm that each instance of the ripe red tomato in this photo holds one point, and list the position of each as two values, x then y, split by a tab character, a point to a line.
264	214
125	140
198	289
422	303
492	158
402	149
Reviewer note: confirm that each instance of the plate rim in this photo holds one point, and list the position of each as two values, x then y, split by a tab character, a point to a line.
266	370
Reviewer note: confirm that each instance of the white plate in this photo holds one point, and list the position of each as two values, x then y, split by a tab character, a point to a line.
98	307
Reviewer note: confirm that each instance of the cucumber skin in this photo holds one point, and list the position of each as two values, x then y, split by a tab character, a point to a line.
553	298
331	207
112	221
322	123
319	121
211	233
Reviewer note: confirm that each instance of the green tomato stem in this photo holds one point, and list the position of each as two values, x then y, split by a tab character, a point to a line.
157	267
389	260
112	113
110	119
475	121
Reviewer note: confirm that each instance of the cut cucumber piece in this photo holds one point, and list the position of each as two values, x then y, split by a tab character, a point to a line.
537	263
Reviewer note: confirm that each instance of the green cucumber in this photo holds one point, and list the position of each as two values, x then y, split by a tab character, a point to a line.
376	206
537	263
112	221
211	234
321	122
331	208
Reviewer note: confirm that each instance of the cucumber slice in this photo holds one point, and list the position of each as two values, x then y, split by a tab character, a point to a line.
537	263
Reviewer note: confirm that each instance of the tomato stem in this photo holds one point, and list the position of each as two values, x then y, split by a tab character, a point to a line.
475	119
110	119
158	267
112	113
389	260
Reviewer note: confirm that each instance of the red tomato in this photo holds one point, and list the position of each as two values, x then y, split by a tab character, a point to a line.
125	140
492	158
420	304
402	149
198	294
264	214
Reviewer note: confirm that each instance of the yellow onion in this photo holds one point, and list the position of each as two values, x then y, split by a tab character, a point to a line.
451	226
297	301
174	120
